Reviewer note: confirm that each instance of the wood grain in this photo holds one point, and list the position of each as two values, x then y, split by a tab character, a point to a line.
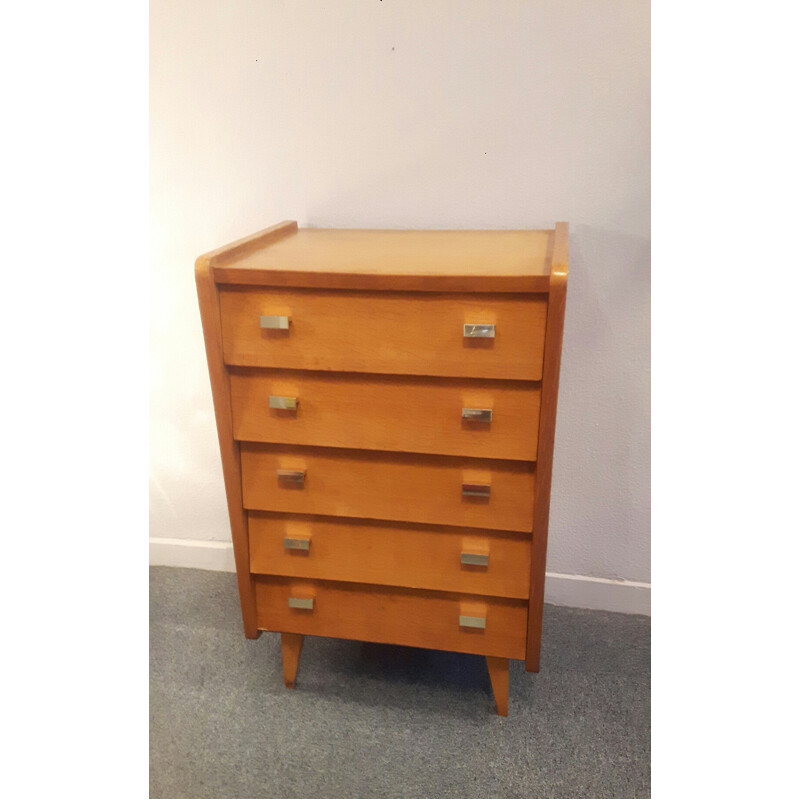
391	616
360	551
388	332
229	449
389	486
376	356
392	260
547	430
414	415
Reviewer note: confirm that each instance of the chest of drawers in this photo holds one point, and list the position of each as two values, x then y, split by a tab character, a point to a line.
385	404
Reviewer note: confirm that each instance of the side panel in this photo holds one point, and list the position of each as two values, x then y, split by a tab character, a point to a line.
554	333
229	449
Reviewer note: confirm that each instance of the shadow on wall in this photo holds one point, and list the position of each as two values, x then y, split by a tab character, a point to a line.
600	513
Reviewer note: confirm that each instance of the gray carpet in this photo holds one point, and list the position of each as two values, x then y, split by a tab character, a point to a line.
374	721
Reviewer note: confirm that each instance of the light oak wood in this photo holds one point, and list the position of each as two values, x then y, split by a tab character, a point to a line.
291	647
417	415
385	332
498	674
208	299
248	244
418	557
229	449
547	429
375	355
393	260
392	616
388	486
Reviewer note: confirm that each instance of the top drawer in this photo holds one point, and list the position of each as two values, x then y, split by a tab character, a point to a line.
388	332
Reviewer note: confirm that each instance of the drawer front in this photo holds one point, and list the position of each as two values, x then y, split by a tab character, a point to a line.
438	490
388	332
438	621
451	560
414	415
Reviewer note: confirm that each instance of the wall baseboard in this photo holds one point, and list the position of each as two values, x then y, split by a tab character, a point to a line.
602	594
193	554
576	591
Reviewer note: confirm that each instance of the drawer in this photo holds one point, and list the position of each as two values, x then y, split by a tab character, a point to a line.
449	559
438	490
433	620
389	332
417	415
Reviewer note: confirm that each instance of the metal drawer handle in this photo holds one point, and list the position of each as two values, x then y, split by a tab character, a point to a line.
475	559
306	603
472	331
297	544
475	490
472	622
477	414
292	475
274	323
284	403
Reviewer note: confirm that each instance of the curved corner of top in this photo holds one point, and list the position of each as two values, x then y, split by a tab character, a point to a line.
205	263
202	268
559	265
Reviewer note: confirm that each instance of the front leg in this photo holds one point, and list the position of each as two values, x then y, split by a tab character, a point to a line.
291	645
498	674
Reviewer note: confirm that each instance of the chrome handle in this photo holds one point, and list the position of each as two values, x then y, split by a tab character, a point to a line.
296	544
478	331
306	603
475	559
475	490
477	414
274	323
472	622
292	475
284	403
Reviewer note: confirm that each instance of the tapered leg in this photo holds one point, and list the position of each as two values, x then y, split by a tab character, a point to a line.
291	645
498	674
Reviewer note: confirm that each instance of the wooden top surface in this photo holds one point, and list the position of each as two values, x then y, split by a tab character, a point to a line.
422	260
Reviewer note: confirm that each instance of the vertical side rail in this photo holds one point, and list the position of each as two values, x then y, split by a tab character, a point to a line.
554	333
208	296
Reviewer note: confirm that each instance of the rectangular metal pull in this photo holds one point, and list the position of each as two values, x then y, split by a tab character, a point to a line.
477	414
475	559
306	603
472	622
297	544
475	490
472	331
285	403
292	475
274	323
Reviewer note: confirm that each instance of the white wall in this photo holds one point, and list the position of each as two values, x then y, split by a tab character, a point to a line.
423	114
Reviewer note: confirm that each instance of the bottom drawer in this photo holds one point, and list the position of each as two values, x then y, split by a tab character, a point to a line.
487	626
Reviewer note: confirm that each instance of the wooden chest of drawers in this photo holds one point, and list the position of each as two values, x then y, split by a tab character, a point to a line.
385	403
